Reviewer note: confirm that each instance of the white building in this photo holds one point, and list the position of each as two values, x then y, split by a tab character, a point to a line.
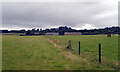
52	33
73	33
36	33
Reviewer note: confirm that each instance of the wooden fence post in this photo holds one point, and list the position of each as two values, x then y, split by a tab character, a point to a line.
65	43
79	47
70	47
99	53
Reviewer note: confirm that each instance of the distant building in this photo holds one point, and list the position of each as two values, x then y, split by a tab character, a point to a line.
73	33
36	33
52	33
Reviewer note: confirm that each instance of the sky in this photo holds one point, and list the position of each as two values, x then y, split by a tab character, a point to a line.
78	15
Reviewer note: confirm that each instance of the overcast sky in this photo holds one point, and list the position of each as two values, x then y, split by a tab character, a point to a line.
78	15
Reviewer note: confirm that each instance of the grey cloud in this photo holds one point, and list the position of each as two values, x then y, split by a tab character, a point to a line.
43	15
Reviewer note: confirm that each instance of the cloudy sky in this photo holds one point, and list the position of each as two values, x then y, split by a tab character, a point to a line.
78	15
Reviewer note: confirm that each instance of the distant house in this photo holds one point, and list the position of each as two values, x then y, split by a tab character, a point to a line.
36	33
52	33
73	33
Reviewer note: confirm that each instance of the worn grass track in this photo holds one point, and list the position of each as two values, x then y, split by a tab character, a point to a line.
49	53
89	49
30	53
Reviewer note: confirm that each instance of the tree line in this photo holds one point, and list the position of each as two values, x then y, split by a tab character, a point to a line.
62	29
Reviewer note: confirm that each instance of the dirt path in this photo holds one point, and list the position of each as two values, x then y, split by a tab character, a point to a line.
68	54
55	45
51	42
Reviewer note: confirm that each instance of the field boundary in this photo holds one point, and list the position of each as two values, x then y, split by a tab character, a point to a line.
68	54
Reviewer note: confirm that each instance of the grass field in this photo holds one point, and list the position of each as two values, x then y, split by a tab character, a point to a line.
49	52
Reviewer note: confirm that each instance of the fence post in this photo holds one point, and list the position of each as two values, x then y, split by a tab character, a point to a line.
99	53
79	47
70	44
65	43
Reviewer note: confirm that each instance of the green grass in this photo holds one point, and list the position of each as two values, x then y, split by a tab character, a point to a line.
15	34
36	53
89	48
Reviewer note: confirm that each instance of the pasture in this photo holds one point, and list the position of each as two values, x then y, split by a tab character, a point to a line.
49	52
